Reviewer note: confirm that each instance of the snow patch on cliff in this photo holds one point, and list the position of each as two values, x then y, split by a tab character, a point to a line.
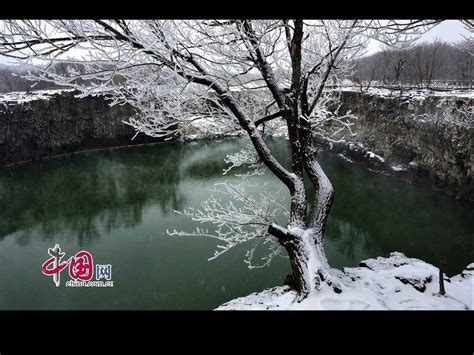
207	127
23	96
399	167
372	155
413	94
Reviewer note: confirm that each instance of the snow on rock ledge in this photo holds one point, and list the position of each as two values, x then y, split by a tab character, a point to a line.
396	282
209	128
19	97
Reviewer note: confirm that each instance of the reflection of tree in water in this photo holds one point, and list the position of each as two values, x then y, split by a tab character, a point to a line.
86	195
373	214
205	159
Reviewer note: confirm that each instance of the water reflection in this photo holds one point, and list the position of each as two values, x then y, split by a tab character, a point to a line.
87	195
119	203
384	214
102	191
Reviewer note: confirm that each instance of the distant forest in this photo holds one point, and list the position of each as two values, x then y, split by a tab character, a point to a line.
434	64
424	65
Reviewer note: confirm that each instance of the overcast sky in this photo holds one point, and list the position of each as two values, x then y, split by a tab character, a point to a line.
448	31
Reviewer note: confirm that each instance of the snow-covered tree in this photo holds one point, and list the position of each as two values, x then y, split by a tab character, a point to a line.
243	72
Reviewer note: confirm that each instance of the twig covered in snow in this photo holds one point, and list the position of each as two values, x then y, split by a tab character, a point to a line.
239	218
327	122
462	116
246	156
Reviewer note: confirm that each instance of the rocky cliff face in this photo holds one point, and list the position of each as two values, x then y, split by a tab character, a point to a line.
59	123
405	136
408	136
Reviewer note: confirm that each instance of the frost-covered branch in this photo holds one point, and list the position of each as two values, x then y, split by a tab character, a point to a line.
467	44
328	122
245	157
238	216
462	116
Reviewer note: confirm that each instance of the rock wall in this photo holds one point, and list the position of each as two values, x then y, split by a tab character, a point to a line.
60	123
407	136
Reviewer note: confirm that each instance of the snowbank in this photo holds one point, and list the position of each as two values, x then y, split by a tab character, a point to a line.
23	96
393	283
414	94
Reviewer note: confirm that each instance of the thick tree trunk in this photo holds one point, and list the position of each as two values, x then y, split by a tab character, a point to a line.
305	245
310	269
304	237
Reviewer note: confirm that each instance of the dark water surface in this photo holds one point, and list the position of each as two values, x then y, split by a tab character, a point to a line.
118	204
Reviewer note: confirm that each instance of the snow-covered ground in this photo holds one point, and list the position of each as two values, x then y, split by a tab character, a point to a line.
23	96
415	94
393	283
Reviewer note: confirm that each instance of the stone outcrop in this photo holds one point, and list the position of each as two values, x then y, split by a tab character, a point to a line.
408	137
61	123
405	136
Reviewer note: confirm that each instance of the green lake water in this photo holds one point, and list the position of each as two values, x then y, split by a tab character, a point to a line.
118	204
